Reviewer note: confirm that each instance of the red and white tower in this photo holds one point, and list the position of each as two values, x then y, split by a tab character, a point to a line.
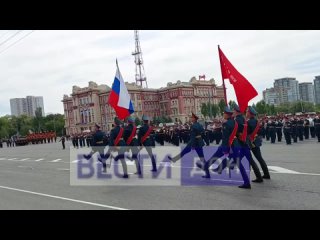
140	73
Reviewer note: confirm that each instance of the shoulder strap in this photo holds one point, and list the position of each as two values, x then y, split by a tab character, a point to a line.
234	132
133	133
146	135
117	140
245	132
254	133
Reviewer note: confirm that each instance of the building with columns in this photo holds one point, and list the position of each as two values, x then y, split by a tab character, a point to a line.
89	105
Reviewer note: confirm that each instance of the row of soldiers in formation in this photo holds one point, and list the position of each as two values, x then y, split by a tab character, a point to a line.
239	139
31	138
293	128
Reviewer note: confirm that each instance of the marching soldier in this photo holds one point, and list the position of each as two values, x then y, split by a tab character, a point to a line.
145	140
117	142
229	139
129	137
255	141
196	141
98	146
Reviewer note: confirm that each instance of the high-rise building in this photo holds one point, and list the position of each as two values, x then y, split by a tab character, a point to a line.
316	82
26	106
271	96
306	91
33	104
18	106
288	89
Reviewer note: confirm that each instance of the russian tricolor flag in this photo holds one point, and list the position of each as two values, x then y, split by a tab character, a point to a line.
119	97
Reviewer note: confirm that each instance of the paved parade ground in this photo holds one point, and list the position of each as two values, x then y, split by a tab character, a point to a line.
38	177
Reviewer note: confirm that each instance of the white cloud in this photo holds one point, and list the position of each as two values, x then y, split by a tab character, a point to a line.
49	63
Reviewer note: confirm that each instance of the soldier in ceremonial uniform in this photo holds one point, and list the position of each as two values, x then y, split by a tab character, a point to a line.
294	129
196	141
300	128
229	139
317	127
306	128
116	142
279	126
272	131
287	130
62	140
255	141
98	146
145	140
129	137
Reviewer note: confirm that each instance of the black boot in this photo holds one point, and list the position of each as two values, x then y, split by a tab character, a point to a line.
246	186
258	180
266	176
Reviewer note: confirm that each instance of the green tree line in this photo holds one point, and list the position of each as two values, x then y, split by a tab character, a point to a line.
11	125
287	108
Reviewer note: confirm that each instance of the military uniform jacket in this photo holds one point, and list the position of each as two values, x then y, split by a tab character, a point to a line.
196	136
127	133
227	129
113	135
149	141
97	139
252	123
241	121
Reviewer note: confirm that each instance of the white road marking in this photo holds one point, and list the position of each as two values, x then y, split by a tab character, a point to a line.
63	169
75	161
282	170
56	160
10	159
38	160
63	198
25	159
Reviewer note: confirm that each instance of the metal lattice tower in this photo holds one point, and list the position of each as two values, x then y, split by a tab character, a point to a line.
140	73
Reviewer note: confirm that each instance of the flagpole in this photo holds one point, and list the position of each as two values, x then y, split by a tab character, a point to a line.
223	84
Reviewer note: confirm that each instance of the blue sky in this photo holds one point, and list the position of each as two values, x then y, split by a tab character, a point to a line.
49	63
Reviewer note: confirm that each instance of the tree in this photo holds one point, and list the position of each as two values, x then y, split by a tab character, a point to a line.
38	117
204	109
221	105
261	107
232	104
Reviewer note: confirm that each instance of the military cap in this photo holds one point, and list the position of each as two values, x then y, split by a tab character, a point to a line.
131	119
252	110
236	108
145	118
227	110
117	121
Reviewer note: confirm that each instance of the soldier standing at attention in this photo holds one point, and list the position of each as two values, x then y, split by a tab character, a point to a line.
196	141
62	140
144	139
287	130
317	127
